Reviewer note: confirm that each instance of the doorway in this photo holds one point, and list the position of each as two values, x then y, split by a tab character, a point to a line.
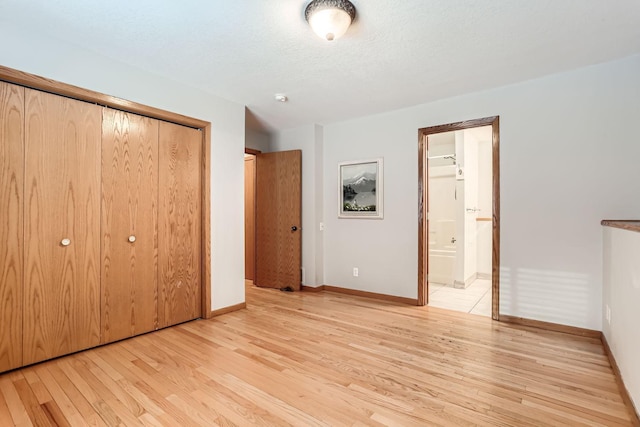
273	214
459	216
250	215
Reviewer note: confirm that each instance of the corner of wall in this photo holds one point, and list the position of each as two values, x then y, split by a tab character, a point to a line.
319	202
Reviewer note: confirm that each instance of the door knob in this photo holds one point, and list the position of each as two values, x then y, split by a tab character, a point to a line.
453	240
65	242
294	228
132	238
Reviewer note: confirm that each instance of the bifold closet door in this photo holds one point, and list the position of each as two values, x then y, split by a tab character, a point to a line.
62	226
129	225
179	220
11	217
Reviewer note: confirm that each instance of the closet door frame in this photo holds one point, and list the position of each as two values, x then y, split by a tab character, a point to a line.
33	81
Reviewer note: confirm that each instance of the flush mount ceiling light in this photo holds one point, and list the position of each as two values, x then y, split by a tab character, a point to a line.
330	19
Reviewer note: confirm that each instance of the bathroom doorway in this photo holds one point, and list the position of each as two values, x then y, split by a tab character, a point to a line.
459	217
250	214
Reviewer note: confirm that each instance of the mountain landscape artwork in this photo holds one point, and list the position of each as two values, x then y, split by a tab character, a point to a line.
360	189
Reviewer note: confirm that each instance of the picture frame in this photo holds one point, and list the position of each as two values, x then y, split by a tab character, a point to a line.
361	189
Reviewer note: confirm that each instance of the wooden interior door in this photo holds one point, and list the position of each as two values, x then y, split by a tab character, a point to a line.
179	223
278	219
249	217
129	293
11	224
62	226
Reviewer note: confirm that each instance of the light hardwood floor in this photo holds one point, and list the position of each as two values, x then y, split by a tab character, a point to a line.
314	359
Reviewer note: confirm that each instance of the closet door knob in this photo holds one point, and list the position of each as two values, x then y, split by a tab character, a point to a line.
65	242
132	238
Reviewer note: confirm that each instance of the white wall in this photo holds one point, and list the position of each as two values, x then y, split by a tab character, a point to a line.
485	178
485	199
319	204
622	294
257	140
470	202
567	161
461	223
67	63
309	140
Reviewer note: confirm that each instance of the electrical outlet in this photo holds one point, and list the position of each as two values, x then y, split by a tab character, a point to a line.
322	226
608	314
355	272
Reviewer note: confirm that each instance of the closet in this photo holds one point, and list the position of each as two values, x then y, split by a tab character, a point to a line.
61	305
11	220
129	297
101	225
179	224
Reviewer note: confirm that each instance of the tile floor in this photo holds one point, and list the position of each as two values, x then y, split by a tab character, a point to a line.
475	299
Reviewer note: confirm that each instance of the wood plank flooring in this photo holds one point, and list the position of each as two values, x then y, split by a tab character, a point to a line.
324	359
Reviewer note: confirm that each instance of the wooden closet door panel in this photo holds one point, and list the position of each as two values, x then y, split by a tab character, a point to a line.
11	223
179	234
129	208
62	188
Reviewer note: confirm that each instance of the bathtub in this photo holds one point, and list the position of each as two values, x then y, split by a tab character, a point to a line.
442	264
442	251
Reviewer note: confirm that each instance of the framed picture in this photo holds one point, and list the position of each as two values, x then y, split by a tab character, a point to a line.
360	189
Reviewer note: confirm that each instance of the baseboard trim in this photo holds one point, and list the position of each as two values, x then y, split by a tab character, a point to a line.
373	295
226	310
633	412
312	288
556	327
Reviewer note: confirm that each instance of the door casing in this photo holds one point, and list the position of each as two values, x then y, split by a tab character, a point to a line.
423	241
250	214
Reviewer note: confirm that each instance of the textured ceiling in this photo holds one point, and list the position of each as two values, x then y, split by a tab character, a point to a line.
397	53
